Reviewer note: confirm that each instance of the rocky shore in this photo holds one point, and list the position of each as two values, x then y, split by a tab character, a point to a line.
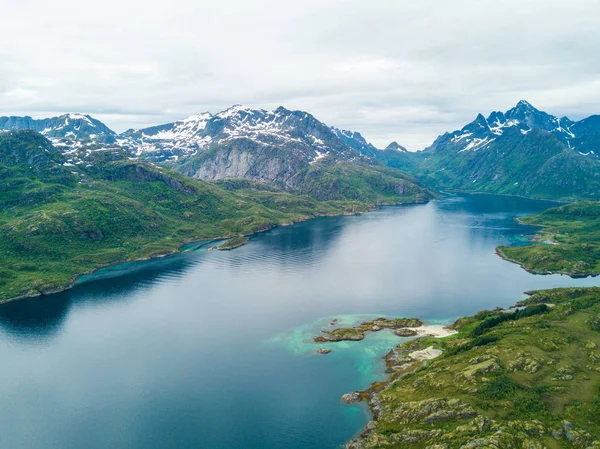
494	382
404	327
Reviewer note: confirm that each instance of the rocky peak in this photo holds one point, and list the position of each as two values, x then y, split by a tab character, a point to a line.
395	146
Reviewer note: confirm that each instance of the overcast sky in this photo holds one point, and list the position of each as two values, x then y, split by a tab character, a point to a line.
393	70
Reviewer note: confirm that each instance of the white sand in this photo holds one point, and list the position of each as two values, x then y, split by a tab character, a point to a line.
426	354
434	330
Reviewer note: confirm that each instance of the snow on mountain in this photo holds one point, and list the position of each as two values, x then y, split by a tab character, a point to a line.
67	127
480	133
294	130
395	146
355	140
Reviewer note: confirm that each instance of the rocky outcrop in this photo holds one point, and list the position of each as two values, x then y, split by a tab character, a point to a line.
357	333
350	398
405	332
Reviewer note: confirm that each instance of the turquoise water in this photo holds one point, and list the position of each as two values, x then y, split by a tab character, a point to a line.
211	349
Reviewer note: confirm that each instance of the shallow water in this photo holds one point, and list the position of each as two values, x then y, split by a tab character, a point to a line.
211	349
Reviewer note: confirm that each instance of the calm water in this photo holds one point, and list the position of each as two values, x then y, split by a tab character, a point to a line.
209	349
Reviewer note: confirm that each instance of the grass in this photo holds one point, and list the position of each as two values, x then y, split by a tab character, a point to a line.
572	236
511	387
234	242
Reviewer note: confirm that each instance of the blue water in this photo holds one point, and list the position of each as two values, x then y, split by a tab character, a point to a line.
212	349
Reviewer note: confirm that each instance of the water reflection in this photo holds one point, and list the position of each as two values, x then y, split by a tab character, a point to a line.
37	317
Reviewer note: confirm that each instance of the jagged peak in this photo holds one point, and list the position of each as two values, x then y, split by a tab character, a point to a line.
525	104
523	107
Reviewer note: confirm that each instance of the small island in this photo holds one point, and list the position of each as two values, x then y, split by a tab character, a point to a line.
404	327
233	243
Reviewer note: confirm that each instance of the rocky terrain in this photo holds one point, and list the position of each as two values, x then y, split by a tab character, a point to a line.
357	333
532	380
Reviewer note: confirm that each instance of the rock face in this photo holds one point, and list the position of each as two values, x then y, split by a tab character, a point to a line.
242	137
323	351
290	150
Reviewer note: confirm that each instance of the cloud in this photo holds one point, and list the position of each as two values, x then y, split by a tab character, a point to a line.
393	70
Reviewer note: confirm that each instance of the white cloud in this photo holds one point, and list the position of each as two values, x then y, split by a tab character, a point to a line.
394	70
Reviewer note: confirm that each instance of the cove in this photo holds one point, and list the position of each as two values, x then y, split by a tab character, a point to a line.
210	349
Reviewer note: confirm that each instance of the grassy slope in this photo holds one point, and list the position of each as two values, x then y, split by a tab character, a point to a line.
58	220
576	230
537	165
506	385
365	182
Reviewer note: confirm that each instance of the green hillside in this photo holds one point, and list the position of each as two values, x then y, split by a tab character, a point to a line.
526	379
571	236
61	219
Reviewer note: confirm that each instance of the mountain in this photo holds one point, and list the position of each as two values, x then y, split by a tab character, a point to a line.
60	218
290	150
395	146
63	129
521	152
355	140
298	133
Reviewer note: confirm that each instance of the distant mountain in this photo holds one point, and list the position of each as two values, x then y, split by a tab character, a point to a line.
63	129
395	146
523	151
300	133
355	140
290	150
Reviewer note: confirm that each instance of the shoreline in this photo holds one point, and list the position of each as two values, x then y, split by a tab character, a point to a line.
503	256
73	283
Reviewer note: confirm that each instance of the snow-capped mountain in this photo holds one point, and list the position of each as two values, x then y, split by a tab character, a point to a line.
76	135
297	131
69	127
482	132
523	151
355	140
395	146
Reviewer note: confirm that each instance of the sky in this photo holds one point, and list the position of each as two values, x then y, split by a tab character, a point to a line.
392	70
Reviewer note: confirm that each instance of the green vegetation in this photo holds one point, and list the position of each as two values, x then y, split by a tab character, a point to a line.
364	182
530	378
234	242
535	165
572	241
59	219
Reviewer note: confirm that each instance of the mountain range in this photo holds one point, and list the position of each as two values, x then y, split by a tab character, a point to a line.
290	150
523	151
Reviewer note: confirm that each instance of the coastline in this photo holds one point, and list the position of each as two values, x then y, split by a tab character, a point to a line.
539	240
452	390
177	250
